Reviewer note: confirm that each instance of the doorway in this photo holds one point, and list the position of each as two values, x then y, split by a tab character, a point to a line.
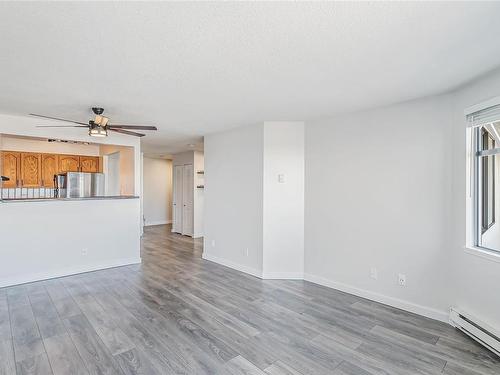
113	174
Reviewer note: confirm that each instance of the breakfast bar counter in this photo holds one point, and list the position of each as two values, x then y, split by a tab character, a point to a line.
47	238
15	200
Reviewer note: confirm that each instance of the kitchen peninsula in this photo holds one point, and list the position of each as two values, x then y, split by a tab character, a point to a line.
67	235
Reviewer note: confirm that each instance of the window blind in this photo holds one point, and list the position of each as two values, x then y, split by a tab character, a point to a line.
484	116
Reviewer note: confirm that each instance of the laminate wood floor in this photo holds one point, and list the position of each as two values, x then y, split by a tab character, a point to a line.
179	314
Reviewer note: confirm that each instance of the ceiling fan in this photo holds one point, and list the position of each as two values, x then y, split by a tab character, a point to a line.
98	127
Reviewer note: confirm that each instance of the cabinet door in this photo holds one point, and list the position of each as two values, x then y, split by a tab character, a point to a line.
11	162
89	164
31	169
69	163
49	169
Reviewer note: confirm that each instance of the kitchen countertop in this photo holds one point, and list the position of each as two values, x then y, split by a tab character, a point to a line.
68	199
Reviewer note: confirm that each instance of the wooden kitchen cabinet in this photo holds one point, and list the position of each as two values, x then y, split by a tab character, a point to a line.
89	164
31	169
69	163
50	167
11	165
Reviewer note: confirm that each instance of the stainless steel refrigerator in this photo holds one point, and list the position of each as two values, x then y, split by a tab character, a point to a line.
79	185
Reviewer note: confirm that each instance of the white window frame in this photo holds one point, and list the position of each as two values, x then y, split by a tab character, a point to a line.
474	167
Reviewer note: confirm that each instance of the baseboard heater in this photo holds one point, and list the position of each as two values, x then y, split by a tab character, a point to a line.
479	331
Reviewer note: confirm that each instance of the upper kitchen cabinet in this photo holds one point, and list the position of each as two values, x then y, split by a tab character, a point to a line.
35	169
11	165
69	163
31	169
50	167
89	164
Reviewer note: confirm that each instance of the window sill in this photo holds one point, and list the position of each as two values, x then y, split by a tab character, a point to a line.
483	253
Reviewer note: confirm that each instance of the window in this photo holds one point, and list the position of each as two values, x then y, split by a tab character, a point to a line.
486	191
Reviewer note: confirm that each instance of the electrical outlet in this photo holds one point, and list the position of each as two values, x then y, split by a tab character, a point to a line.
213	243
373	273
85	251
281	178
402	279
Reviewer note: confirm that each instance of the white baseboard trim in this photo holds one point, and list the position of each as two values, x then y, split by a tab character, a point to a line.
233	265
283	276
66	272
160	222
253	271
428	312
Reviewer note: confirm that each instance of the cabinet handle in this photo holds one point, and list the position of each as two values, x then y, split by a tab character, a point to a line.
22	182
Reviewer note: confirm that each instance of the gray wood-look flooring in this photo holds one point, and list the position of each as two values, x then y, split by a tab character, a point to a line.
179	314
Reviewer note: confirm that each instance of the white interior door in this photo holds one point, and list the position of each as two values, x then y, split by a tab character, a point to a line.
177	199
187	198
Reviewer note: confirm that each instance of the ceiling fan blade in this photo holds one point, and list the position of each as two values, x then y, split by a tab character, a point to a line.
62	126
127	132
59	119
141	127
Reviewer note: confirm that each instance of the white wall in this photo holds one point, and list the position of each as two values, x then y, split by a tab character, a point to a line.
388	188
377	195
283	226
157	191
234	198
199	194
43	240
257	222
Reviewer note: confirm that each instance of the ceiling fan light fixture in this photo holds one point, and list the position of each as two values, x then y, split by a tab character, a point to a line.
97	131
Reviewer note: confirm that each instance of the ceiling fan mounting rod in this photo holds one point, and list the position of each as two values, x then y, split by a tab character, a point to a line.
98	110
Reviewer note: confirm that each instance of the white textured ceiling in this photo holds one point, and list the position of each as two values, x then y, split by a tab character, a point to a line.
196	68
